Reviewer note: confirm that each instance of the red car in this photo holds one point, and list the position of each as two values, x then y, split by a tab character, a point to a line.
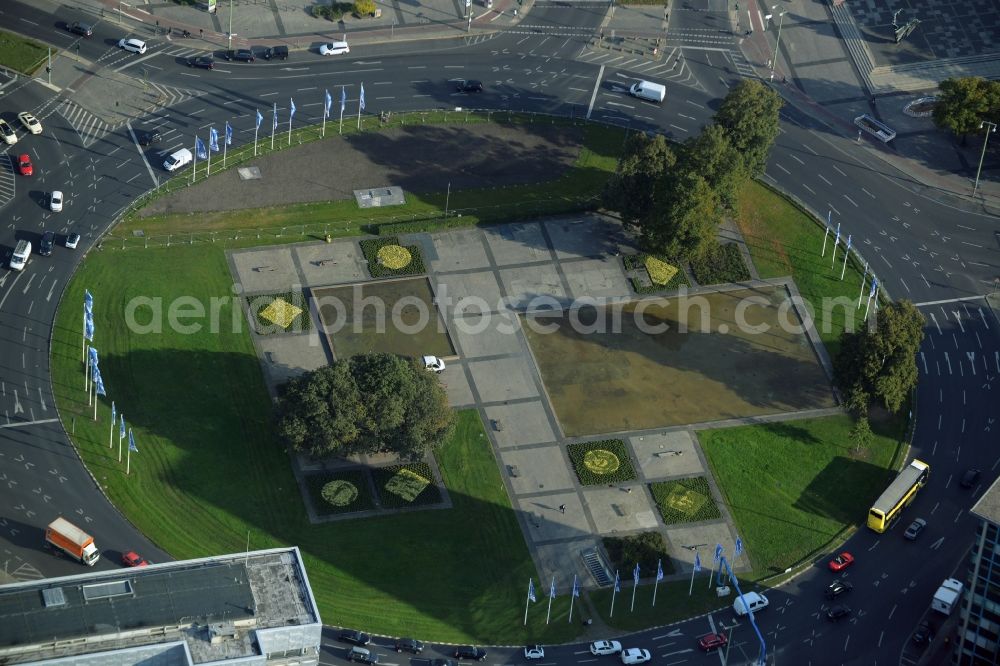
841	562
24	164
712	641
132	559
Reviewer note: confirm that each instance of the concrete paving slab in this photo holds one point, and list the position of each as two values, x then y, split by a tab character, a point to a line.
457	250
522	422
597	278
331	263
265	270
288	356
517	243
547	523
829	81
806	11
471	292
488	335
709	534
564	560
811	43
534	470
668	454
504	379
456	385
851	109
533	287
589	236
615	510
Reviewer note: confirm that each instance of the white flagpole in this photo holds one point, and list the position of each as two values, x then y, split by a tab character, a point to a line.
359	107
549	611
325	114
635	586
289	127
128	456
691	586
825	234
84	334
341	130
225	144
194	167
843	268
572	598
527	600
111	436
272	129
120	438
862	292
208	171
86	381
95	401
713	574
255	132
614	591
834	261
655	585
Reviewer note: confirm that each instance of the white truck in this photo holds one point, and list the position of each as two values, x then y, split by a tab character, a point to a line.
947	596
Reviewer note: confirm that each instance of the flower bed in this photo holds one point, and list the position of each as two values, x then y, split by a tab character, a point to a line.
721	265
400	486
685	500
606	461
660	265
340	492
280	312
373	249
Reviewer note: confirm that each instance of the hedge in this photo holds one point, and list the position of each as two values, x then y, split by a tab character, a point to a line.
722	264
391	500
685	500
588	477
646	549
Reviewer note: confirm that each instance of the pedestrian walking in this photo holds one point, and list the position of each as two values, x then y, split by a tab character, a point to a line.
562	508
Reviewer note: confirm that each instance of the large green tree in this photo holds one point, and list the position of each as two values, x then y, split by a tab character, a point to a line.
749	116
645	160
712	156
880	361
367	404
685	218
965	102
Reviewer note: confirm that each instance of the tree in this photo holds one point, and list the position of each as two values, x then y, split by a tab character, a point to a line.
964	103
645	160
364	7
881	361
861	434
685	218
713	157
749	116
368	404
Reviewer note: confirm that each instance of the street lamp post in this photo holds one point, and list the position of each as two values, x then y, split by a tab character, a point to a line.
986	139
777	42
230	33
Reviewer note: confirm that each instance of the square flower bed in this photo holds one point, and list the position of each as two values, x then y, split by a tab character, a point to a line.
606	461
280	312
387	258
400	486
340	492
685	500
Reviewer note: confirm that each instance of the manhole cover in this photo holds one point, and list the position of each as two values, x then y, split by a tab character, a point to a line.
249	173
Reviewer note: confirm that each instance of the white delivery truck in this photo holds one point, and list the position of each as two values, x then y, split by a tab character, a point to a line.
947	596
178	159
651	92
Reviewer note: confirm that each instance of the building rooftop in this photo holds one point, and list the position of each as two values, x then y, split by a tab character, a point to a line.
988	506
190	612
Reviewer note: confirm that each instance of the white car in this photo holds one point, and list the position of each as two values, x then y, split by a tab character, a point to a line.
635	656
30	122
433	363
134	45
334	48
7	132
598	648
72	241
534	652
56	201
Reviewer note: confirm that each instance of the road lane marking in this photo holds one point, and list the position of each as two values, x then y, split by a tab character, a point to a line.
597	84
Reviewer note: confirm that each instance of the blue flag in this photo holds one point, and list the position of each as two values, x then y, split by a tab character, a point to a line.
576	587
618	584
131	442
88	301
213	140
552	589
718	552
739	546
93	357
88	326
659	571
229	134
635	574
361	100
274	117
329	102
848	242
121	428
697	562
874	286
343	99
98	383
114	414
837	240
531	589
260	119
291	114
199	149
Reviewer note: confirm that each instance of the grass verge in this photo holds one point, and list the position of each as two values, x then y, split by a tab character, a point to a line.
20	53
672	603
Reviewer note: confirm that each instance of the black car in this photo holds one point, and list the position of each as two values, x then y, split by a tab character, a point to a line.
970	477
203	62
409	645
276	52
245	55
45	246
149	138
470	652
355	637
837	588
838	613
78	28
924	633
362	656
469	86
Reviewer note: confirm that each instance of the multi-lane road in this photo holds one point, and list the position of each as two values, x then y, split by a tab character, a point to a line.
939	254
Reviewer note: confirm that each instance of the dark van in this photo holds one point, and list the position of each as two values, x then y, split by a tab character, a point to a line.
276	52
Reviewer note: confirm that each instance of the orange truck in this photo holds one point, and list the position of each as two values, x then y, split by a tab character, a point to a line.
73	541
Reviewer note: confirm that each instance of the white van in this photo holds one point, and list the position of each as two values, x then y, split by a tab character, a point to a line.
651	92
754	602
20	257
178	159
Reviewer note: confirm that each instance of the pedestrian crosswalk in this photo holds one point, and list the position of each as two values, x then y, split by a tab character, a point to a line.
89	126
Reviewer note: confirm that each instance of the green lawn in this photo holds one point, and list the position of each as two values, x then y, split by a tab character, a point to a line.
783	241
20	53
672	602
209	469
797	489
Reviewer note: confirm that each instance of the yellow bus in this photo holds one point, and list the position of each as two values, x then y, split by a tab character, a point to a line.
898	495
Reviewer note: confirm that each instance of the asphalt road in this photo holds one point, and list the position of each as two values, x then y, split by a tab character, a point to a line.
924	247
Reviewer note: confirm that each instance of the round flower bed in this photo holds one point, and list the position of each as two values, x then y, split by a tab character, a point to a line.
394	257
340	492
601	461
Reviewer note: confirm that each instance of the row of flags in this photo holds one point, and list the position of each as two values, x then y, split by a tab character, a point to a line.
873	289
95	382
